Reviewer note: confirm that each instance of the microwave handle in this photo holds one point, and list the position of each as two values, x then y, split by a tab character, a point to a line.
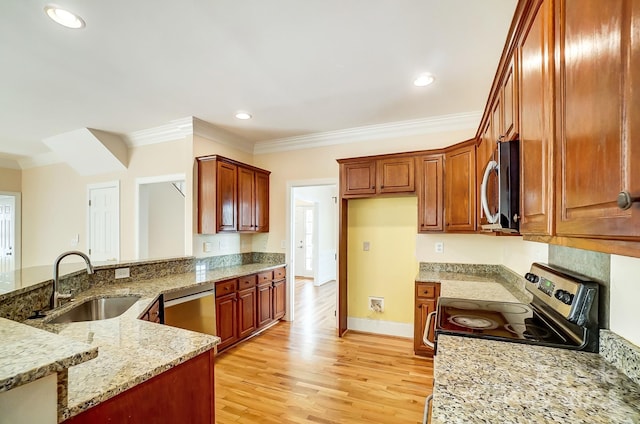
425	336
492	218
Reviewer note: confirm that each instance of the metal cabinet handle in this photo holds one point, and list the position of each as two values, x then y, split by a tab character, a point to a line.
427	402
625	200
425	335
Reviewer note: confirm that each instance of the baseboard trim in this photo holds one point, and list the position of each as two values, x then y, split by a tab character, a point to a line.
376	326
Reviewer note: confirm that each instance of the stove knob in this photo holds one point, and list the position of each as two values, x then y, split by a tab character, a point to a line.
531	277
564	296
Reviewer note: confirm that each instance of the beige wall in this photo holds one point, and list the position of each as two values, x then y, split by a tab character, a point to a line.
10	180
55	201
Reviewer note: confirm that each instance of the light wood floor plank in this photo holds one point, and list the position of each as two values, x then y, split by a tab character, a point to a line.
301	372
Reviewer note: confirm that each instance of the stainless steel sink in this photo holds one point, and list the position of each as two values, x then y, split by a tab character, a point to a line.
96	309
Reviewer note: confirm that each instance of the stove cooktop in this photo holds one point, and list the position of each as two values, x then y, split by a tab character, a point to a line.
506	321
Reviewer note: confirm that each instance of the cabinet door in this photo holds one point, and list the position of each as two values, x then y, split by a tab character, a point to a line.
265	304
358	178
207	169
226	320
430	193
227	187
246	199
597	72
424	307
536	122
460	194
396	175
279	298
262	202
509	94
247	309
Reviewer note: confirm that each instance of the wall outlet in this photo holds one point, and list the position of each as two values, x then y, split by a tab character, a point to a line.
207	246
376	304
439	247
366	246
122	273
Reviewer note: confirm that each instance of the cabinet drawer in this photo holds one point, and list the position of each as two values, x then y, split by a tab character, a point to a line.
426	290
263	277
279	273
247	282
226	287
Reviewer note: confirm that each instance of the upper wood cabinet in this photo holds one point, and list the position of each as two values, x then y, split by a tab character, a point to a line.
232	196
366	177
460	192
597	78
535	47
430	193
253	200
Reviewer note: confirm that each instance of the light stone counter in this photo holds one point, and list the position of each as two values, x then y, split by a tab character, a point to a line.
29	354
130	350
484	381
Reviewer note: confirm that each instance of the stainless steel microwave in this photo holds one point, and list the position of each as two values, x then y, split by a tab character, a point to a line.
507	217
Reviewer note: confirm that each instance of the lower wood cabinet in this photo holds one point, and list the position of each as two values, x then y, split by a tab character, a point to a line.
249	304
182	394
154	312
426	300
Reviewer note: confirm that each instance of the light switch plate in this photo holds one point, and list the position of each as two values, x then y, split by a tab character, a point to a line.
122	272
366	246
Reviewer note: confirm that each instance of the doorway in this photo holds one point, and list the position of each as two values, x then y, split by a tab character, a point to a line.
104	222
161	216
313	235
10	233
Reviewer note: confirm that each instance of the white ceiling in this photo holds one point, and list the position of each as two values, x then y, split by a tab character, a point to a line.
298	66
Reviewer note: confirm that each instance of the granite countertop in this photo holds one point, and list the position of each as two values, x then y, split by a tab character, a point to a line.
485	381
29	354
130	350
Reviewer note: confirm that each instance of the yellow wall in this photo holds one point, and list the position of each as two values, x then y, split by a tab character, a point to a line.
10	180
389	268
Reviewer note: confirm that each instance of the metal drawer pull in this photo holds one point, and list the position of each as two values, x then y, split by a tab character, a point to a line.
425	336
427	401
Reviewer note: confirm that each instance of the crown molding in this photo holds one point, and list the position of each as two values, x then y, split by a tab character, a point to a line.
174	130
442	123
214	133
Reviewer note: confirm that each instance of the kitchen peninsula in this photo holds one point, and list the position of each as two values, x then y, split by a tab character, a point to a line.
135	358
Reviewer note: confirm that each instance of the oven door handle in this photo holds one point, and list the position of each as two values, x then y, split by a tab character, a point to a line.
425	336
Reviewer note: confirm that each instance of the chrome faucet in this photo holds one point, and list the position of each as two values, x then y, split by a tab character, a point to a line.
55	296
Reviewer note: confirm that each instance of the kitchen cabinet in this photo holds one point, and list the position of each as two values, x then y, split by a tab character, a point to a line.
431	193
226	313
253	200
597	78
279	298
460	188
366	177
426	299
182	394
249	304
154	312
232	196
536	121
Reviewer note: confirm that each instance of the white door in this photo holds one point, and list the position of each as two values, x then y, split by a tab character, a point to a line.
104	222
304	224
7	234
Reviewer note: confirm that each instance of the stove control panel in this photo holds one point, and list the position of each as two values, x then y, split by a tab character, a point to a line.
564	293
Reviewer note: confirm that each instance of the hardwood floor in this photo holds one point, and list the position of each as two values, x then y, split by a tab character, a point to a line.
301	372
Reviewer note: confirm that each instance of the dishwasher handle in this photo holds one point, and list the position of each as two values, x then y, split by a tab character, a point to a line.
189	298
427	326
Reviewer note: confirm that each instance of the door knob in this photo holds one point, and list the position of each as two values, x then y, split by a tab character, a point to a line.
625	200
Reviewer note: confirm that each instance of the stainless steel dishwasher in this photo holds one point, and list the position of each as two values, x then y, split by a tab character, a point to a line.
192	309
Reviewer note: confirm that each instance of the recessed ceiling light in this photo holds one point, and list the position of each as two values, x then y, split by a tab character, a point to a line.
64	17
423	80
243	115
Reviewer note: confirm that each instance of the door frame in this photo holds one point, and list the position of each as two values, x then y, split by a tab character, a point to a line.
187	211
289	242
107	184
17	226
